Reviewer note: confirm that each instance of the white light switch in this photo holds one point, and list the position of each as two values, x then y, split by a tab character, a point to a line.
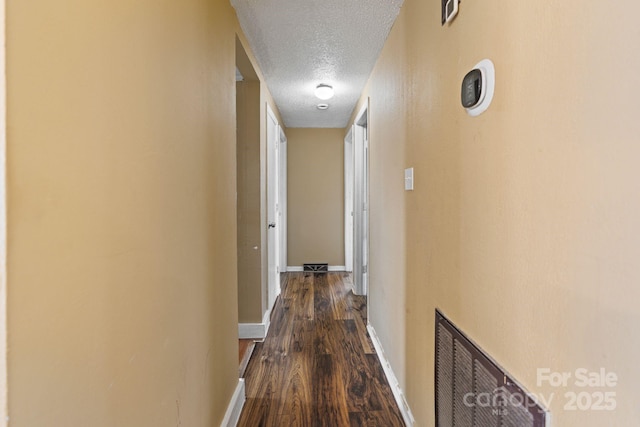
408	179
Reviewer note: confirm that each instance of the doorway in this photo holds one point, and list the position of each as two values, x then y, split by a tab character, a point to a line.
361	201
273	208
282	207
348	201
250	212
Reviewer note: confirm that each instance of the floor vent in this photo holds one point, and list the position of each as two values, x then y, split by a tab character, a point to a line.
472	390
316	268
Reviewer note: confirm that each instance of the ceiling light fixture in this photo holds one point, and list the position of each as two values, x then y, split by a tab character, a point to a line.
323	106
324	91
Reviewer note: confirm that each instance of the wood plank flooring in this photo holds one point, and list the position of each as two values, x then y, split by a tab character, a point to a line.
317	366
246	347
243	347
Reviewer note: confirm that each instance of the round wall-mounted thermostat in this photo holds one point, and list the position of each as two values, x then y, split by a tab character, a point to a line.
477	88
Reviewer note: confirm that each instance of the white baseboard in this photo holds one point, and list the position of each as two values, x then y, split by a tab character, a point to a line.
255	330
392	379
331	268
251	330
232	416
266	320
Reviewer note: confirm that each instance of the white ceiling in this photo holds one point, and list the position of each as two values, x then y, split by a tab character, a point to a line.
301	43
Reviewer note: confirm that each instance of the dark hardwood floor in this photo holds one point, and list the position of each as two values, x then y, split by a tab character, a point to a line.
245	347
317	366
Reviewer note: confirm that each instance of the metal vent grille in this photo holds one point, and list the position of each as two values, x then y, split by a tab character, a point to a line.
472	391
316	268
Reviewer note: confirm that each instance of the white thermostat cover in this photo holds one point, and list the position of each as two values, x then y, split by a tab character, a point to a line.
489	83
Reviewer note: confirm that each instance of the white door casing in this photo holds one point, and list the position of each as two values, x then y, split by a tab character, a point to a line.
361	202
365	212
282	200
348	200
273	259
357	209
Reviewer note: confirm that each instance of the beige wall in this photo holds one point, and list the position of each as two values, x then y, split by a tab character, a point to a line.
248	175
523	226
315	196
122	222
387	247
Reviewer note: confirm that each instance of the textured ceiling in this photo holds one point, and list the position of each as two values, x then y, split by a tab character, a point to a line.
301	43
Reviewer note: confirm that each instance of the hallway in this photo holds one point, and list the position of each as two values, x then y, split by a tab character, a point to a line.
317	366
130	267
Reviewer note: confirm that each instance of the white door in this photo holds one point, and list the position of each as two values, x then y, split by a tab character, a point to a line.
273	259
361	203
348	201
282	208
357	209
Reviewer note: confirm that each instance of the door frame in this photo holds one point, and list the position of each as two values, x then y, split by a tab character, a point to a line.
282	211
361	265
272	208
348	199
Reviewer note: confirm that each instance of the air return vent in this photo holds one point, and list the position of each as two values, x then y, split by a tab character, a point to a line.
316	268
473	391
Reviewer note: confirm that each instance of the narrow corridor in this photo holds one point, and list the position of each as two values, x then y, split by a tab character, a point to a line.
317	366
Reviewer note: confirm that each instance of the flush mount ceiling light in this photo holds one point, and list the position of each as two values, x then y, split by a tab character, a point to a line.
324	91
323	106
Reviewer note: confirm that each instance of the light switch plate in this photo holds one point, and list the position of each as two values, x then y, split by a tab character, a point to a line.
408	179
